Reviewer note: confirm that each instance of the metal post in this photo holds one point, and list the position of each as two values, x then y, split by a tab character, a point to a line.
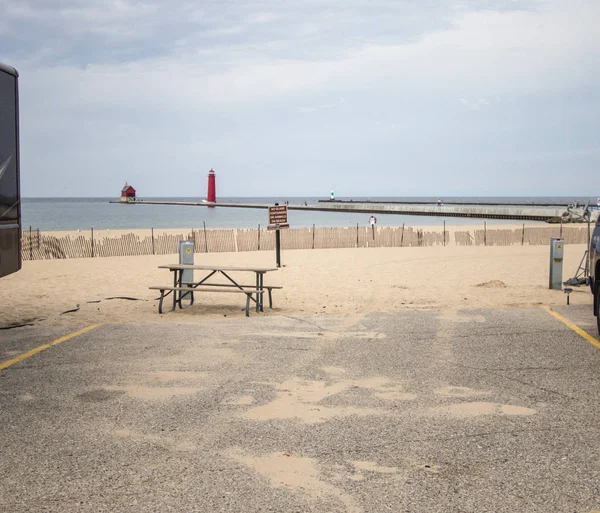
278	247
153	242
38	238
556	263
444	232
523	236
259	237
587	260
92	242
30	245
485	233
560	229
205	239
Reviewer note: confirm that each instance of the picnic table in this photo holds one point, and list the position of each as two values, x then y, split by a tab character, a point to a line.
182	290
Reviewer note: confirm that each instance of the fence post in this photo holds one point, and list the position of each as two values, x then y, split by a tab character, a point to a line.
92	242
444	232
205	239
485	233
258	236
153	242
30	244
313	236
38	238
402	237
356	234
560	229
523	235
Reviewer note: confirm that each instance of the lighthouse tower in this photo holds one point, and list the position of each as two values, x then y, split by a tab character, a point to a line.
211	196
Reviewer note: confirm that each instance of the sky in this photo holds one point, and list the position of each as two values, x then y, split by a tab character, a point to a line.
296	98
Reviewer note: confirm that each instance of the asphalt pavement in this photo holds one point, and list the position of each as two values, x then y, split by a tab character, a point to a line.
455	411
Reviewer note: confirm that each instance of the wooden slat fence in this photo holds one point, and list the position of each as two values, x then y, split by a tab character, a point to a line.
38	246
531	236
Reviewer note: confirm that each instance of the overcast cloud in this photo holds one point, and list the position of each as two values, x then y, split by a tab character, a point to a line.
382	97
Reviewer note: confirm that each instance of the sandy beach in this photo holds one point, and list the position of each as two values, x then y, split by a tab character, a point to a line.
348	281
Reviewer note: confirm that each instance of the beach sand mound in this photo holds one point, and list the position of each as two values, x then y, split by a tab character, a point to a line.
492	284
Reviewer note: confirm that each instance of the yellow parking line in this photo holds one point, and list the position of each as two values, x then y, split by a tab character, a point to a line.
575	328
39	349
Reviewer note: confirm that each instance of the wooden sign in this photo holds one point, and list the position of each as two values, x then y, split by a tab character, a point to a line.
278	214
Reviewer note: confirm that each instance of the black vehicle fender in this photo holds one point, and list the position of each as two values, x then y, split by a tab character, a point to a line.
594	286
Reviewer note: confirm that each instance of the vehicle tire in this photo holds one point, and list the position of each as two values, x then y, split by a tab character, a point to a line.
597	307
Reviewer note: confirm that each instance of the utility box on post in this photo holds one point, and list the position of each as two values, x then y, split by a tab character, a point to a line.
186	256
557	250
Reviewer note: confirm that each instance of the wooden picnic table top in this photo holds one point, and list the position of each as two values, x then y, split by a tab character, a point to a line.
184	267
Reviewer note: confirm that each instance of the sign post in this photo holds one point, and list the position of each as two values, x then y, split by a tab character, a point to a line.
278	220
278	248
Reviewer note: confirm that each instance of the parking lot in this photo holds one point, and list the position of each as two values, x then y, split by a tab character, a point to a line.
474	410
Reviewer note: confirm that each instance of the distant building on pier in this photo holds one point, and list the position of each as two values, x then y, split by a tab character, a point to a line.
127	193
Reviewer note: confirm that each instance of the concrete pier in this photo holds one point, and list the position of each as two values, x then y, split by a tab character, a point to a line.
558	204
549	215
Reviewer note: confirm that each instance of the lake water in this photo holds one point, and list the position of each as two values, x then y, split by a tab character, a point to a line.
82	213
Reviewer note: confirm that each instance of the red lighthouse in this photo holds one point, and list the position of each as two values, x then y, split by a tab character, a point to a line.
211	196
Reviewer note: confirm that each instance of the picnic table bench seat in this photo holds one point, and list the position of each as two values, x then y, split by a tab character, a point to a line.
170	288
268	288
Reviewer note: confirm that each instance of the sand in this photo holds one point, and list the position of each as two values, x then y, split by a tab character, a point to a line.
299	474
337	281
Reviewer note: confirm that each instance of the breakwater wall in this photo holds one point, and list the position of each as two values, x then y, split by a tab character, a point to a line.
37	245
545	214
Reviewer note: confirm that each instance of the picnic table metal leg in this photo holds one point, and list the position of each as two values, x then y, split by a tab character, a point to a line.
262	296
257	293
248	298
160	303
270	299
175	273
242	288
182	294
204	279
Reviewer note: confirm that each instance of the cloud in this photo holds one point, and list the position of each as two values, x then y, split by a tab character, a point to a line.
478	104
493	50
210	81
